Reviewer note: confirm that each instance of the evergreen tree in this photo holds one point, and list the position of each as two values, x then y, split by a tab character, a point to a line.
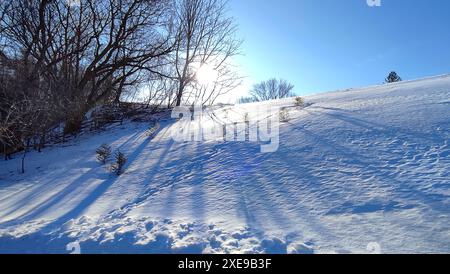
393	77
120	163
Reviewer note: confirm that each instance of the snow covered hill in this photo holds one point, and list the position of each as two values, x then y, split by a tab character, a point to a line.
355	169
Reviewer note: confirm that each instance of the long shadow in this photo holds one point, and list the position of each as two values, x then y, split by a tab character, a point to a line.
84	204
177	178
39	189
338	203
131	139
151	190
16	192
58	197
268	194
100	189
19	192
334	150
53	200
93	195
258	201
198	194
301	181
306	169
243	172
250	197
197	164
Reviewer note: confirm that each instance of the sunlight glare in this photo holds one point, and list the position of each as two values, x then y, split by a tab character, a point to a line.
206	74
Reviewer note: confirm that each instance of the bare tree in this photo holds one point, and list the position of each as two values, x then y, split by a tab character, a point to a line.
22	119
3	8
90	51
271	90
127	39
205	36
67	58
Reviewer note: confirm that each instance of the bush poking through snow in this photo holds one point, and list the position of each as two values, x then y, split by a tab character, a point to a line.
299	102
225	116
284	115
117	167
103	153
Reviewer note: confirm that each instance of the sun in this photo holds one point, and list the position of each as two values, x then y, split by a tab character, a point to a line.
206	74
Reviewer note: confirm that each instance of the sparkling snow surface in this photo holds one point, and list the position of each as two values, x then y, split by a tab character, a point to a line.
354	167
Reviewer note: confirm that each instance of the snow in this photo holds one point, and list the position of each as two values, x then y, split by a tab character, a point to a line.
355	169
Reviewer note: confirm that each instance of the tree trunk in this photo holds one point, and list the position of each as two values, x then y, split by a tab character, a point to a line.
24	155
41	142
180	94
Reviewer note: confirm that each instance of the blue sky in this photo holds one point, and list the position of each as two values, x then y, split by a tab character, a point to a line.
324	45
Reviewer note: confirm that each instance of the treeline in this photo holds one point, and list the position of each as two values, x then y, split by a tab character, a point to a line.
60	58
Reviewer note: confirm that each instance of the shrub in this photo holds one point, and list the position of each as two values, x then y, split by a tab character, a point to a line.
284	115
247	118
299	102
225	116
117	167
103	153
